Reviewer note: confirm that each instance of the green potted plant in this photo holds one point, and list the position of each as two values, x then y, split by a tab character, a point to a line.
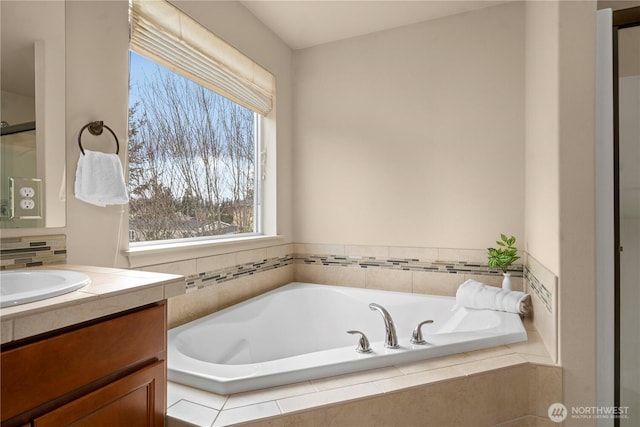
503	256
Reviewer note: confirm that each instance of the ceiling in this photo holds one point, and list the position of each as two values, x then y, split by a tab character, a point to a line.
305	23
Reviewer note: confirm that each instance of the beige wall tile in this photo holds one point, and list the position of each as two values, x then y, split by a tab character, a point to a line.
279	251
389	280
238	290
216	262
497	362
545	323
511	385
355	378
253	255
272	279
177	392
398	409
533	346
419	379
314	418
341	276
367	251
174	289
542	422
487	353
527	421
318	249
247	413
193	305
480	393
549	388
327	397
268	394
184	268
439	410
439	362
425	282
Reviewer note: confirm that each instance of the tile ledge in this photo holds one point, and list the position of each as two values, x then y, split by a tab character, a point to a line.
377	389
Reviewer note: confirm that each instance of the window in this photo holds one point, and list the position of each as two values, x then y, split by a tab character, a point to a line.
194	139
192	158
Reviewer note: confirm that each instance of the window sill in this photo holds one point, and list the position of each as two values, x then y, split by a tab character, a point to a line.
140	256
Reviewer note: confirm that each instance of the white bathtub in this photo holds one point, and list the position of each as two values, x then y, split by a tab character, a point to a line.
298	332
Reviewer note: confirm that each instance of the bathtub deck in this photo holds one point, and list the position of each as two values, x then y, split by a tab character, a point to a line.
188	406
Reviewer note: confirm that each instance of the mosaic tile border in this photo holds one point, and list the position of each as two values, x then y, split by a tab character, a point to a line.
213	277
32	251
209	278
539	289
407	264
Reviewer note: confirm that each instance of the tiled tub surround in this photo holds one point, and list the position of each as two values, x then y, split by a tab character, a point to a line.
330	401
32	251
219	281
223	280
513	384
459	269
542	285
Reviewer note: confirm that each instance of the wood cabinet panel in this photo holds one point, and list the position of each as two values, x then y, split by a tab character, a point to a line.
40	372
136	400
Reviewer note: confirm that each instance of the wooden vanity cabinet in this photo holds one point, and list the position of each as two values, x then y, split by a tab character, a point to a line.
106	373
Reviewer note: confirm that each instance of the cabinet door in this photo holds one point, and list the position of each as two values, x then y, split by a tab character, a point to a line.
135	400
43	371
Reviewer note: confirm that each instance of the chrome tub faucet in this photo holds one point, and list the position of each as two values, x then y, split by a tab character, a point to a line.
390	338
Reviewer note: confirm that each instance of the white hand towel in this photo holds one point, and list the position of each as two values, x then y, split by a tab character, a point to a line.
474	294
99	179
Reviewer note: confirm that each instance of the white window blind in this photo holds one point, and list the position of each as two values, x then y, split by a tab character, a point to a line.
166	35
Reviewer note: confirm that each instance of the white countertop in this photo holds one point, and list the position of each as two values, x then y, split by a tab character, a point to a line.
111	290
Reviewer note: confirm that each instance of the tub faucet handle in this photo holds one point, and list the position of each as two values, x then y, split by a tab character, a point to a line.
363	343
416	336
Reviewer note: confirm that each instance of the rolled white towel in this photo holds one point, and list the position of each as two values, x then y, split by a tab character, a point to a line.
474	294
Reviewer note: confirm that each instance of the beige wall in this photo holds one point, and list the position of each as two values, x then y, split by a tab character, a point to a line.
97	79
560	184
577	201
413	136
541	146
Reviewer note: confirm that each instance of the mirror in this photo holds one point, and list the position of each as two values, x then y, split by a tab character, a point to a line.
32	84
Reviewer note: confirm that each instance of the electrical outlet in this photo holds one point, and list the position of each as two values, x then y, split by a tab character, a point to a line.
25	198
27	204
28	192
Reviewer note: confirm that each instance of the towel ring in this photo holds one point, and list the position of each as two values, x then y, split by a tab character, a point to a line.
96	128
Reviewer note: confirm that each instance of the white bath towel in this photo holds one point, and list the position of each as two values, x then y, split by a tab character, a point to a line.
99	179
474	294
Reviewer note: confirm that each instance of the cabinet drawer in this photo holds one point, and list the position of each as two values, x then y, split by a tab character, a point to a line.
37	373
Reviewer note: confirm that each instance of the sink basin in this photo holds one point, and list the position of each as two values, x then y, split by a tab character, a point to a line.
23	286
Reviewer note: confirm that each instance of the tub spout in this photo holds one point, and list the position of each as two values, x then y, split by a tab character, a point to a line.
390	338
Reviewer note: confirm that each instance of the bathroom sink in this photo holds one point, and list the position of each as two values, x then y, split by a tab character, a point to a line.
23	286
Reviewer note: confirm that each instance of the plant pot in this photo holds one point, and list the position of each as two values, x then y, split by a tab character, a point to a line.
506	281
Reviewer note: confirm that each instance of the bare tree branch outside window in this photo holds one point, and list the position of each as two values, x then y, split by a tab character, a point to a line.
191	161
